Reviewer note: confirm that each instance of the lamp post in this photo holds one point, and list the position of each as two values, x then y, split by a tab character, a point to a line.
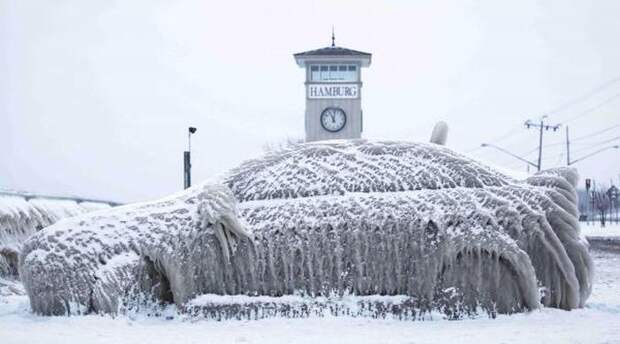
591	154
512	155
187	165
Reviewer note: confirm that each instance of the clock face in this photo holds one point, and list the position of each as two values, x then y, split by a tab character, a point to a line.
333	119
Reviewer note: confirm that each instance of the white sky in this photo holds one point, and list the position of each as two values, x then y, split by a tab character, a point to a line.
96	96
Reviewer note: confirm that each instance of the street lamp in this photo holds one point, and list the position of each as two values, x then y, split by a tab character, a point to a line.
187	165
591	154
512	155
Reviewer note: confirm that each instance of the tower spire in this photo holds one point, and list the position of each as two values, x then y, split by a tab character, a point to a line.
333	37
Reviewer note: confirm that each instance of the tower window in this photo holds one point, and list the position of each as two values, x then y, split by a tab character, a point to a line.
333	73
314	73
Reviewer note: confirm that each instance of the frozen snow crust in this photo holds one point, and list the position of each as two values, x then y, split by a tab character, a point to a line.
340	167
21	217
414	221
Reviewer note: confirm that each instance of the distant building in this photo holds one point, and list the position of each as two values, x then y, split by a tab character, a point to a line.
333	92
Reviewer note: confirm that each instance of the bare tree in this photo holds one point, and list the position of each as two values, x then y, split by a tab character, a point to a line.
601	203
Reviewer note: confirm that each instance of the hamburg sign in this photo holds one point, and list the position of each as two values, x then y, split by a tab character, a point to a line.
324	91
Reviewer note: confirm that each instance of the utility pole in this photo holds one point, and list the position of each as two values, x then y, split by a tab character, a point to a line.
529	124
540	146
187	164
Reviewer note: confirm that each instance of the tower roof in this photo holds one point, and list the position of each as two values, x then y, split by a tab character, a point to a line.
332	53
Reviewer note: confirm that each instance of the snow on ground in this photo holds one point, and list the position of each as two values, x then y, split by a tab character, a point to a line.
595	229
598	322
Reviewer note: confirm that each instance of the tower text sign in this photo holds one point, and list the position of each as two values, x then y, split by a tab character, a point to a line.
342	91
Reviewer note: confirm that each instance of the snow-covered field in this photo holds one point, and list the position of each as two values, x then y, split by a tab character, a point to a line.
595	230
598	322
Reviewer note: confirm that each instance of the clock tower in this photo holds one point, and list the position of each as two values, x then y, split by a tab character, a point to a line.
333	92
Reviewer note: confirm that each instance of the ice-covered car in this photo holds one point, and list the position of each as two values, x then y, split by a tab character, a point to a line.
358	217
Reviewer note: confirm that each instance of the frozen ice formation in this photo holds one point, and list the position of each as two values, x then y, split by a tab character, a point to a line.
353	217
21	217
440	133
88	262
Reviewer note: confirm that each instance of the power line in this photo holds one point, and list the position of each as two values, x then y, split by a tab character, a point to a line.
560	158
582	98
532	151
595	145
560	144
590	146
592	154
594	108
570	161
607	141
529	124
554	160
512	132
596	133
561	108
580	138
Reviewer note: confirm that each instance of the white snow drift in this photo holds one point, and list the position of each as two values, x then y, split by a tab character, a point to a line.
343	217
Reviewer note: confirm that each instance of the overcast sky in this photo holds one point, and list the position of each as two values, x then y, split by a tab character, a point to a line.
96	96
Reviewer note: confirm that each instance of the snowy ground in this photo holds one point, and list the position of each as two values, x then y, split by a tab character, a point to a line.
595	229
599	322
